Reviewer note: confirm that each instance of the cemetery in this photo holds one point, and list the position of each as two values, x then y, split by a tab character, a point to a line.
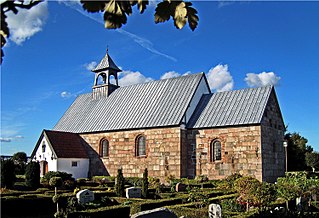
59	195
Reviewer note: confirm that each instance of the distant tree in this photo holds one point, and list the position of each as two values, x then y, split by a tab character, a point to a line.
119	184
312	160
8	176
32	174
297	149
20	159
115	12
145	184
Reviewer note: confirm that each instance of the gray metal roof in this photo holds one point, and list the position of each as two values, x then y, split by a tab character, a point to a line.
240	107
154	104
106	63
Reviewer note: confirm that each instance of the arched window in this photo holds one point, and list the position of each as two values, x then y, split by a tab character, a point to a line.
140	146
43	147
104	148
215	150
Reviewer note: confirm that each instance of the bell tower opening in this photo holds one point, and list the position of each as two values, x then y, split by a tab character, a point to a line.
106	77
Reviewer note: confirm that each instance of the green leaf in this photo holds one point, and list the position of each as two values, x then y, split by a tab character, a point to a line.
162	12
180	15
93	6
113	8
125	7
142	5
192	16
113	21
115	14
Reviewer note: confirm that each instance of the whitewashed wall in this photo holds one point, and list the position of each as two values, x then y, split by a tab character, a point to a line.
46	156
80	171
62	164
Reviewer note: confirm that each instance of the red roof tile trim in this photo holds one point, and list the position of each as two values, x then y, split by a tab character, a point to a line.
66	145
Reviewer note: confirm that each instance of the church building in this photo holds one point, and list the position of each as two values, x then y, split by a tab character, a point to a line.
172	127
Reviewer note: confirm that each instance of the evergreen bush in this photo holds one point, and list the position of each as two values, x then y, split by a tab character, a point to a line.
119	184
8	176
145	184
32	174
65	176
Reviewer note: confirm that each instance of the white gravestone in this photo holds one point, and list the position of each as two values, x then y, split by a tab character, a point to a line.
214	211
85	196
133	192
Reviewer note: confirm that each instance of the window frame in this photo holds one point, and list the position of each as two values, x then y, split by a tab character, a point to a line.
137	146
102	152
215	156
43	147
74	164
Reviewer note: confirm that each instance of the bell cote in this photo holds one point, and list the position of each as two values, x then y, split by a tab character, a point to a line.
106	77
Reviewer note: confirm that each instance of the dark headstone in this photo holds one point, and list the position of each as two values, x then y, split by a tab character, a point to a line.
180	187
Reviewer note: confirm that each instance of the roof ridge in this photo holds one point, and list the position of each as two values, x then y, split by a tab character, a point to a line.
161	80
246	88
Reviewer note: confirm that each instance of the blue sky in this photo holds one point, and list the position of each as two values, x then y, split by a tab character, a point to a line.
237	45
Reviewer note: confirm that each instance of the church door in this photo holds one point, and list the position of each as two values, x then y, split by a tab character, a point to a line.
43	167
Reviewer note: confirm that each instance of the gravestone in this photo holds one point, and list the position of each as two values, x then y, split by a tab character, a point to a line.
301	204
85	196
180	187
155	213
133	192
214	211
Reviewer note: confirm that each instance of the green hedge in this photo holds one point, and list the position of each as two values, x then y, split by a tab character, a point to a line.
18	193
152	204
27	206
189	212
113	211
217	199
99	195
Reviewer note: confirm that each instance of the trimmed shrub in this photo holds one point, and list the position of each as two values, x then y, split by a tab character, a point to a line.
65	176
113	211
119	184
134	181
151	204
56	182
189	212
32	174
27	206
145	184
8	176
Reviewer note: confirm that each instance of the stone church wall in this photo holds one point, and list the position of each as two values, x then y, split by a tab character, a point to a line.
273	153
163	152
241	152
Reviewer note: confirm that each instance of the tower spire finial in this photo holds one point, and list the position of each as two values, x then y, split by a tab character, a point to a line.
107	49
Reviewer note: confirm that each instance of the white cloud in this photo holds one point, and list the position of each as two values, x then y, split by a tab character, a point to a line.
261	79
19	137
170	74
27	22
5	139
128	77
10	139
66	94
219	78
90	66
173	74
